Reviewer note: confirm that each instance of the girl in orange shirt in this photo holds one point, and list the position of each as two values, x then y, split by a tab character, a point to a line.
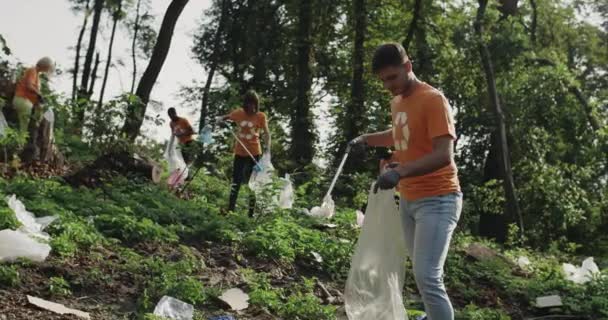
250	123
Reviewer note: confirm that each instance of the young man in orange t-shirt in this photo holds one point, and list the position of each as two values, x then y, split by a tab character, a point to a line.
250	122
27	91
182	130
423	136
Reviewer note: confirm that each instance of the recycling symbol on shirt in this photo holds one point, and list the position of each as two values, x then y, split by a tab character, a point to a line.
401	124
246	131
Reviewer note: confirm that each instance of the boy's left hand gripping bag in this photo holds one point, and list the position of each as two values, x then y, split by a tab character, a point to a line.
375	281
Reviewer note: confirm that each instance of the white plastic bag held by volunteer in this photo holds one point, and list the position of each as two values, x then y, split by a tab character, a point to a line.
262	175
178	171
286	197
375	281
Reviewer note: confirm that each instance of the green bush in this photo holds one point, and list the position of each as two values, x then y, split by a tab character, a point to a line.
59	286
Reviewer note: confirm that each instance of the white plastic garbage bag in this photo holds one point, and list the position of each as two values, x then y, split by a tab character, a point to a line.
175	309
3	124
360	218
205	136
30	225
286	197
178	170
262	176
16	244
326	210
583	274
375	281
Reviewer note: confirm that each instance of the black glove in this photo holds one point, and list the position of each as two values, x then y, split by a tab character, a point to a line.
387	180
357	144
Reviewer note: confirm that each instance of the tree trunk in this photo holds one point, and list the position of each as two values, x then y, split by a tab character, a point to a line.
93	75
134	47
413	25
116	17
355	110
302	143
492	225
512	204
136	112
83	92
78	48
214	61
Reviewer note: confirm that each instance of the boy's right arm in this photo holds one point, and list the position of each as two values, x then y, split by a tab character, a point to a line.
377	139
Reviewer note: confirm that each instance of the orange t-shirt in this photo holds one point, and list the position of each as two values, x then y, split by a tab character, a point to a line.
249	127
417	119
180	126
21	90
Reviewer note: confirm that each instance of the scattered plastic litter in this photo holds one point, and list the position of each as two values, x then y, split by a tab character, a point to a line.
326	210
583	274
3	125
360	218
56	307
236	299
286	197
317	257
549	301
174	309
29	223
523	262
25	242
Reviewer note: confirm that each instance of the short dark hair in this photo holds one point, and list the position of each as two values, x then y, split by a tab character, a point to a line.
172	111
388	55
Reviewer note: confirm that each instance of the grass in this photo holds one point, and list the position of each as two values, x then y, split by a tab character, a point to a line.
134	243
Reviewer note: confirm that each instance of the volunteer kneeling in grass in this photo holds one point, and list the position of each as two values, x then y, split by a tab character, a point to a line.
423	136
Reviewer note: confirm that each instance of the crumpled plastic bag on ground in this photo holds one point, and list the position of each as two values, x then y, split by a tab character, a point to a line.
375	281
178	170
326	210
360	218
25	241
29	223
583	274
175	309
286	197
263	176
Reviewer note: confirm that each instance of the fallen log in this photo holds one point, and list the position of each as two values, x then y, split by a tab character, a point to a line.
112	164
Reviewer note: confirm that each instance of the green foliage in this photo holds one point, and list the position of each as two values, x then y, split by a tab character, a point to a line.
8	220
59	286
472	312
130	229
9	276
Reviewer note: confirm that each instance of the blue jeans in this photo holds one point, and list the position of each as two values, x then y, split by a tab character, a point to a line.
428	224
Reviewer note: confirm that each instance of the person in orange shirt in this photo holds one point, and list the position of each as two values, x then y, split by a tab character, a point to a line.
250	123
27	91
423	136
182	130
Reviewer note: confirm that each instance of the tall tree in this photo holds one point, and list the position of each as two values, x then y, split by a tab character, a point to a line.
83	28
137	111
512	204
133	45
83	92
214	61
302	135
355	109
116	16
